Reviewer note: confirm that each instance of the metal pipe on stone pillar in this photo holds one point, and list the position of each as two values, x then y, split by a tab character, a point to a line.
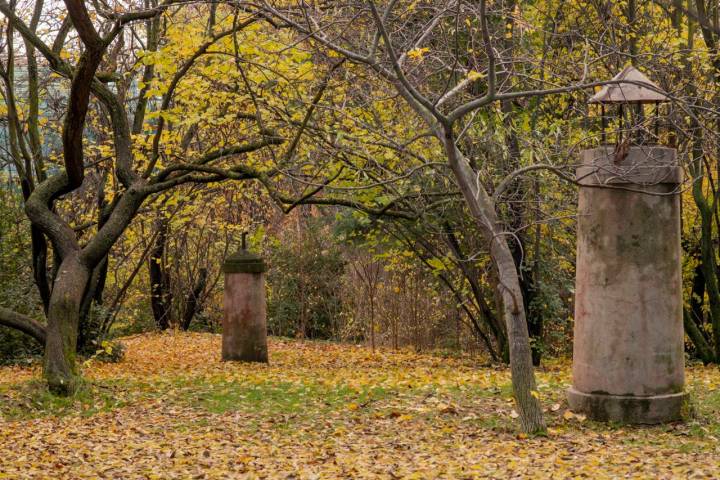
628	358
244	336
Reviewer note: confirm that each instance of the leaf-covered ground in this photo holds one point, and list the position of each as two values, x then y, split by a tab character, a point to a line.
172	410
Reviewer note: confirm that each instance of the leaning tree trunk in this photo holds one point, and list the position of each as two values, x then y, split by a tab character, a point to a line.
521	361
62	328
482	208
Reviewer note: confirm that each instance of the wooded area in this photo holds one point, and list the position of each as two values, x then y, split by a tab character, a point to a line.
423	203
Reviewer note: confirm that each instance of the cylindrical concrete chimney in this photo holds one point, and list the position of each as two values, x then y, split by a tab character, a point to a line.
628	359
244	334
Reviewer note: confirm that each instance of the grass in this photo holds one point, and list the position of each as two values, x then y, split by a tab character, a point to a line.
31	399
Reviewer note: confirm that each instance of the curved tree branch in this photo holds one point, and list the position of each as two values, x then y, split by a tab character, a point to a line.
73	128
22	323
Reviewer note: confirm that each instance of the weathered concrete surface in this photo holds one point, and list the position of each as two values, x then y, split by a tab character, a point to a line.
629	409
244	335
647	165
628	360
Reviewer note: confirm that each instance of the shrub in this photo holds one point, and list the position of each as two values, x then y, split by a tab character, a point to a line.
305	284
16	346
110	352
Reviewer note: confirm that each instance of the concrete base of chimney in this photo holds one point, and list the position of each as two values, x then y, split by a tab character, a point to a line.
628	408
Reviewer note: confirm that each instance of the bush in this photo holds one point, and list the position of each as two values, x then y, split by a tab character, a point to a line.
16	347
17	289
90	331
110	352
305	284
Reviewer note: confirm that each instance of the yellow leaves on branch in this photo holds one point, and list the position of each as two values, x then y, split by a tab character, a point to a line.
474	75
417	53
217	97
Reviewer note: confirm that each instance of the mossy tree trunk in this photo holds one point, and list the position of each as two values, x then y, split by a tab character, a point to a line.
62	329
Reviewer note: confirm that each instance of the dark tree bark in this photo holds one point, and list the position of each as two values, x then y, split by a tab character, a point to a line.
80	89
26	152
697	299
517	215
702	347
24	324
62	330
160	293
694	315
193	303
96	286
472	275
39	254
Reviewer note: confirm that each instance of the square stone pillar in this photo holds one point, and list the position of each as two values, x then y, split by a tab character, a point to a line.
244	335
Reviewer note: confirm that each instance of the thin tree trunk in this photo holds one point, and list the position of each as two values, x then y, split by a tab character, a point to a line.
704	206
372	321
193	305
702	347
483	211
697	299
89	329
160	295
472	275
707	251
39	250
521	365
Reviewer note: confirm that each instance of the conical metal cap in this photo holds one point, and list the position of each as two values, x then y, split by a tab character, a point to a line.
630	92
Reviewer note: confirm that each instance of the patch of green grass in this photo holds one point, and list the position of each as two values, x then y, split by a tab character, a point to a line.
710	403
687	447
278	398
33	400
705	418
503	390
493	422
